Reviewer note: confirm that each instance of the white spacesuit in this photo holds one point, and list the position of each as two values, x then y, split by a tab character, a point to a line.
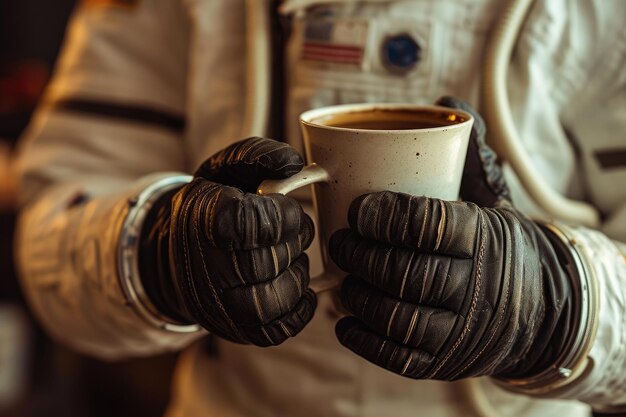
148	89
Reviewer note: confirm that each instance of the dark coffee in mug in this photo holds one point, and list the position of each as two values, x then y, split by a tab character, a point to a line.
391	119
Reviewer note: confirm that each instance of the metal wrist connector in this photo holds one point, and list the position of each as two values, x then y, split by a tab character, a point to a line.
128	255
573	362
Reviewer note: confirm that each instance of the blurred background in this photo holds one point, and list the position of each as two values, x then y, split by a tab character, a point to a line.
37	376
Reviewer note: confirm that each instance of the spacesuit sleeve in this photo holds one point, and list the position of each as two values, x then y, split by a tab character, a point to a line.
600	380
604	385
590	92
111	123
596	121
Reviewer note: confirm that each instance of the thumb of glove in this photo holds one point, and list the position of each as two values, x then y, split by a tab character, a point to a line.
245	164
483	181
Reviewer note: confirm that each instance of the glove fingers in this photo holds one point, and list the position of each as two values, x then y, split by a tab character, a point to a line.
425	328
267	301
427	224
248	162
384	352
245	267
233	220
405	274
279	330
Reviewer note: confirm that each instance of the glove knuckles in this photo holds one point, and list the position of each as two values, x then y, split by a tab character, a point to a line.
231	314
246	163
246	267
406	274
483	180
423	223
234	220
422	327
384	352
263	302
280	329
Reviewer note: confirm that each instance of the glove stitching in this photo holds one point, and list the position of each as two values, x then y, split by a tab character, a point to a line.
185	247
367	298
408	362
426	210
390	218
282	325
441	226
212	203
378	221
396	347
257	305
253	261
275	259
406	274
360	217
380	351
436	277
423	289
278	300
288	253
296	311
269	339
406	223
411	327
277	147
295	279
213	292
236	267
184	218
255	271
273	169
253	145
477	289
300	246
500	318
393	315
242	222
279	221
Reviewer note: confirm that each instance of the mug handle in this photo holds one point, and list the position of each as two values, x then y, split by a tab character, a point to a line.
310	174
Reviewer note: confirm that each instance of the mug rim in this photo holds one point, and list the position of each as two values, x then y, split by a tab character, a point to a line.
308	117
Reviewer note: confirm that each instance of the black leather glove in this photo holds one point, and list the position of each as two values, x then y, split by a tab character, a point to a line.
217	254
447	290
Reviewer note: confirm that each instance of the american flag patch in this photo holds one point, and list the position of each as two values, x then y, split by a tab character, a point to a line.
335	41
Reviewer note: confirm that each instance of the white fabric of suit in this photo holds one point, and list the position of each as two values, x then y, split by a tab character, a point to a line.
188	57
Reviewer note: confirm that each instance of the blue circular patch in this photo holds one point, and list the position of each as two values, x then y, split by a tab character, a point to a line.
401	52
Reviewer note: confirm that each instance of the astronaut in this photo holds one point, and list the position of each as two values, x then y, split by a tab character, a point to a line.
455	308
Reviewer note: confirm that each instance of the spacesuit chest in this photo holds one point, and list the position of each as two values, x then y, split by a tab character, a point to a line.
346	51
382	51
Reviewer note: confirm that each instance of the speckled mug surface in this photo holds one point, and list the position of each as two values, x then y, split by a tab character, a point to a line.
345	163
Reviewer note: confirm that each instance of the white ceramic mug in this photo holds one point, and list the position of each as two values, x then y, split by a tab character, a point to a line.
345	163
